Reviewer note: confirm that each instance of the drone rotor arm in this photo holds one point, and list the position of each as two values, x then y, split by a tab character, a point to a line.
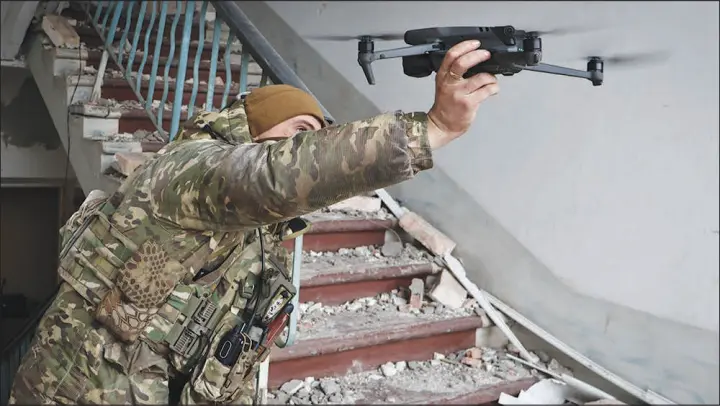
594	76
366	57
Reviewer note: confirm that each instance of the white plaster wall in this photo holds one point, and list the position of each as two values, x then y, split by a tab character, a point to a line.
614	188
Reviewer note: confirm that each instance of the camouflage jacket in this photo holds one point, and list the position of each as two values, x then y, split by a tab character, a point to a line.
196	206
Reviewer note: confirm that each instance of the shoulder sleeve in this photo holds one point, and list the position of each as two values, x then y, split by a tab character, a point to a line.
213	185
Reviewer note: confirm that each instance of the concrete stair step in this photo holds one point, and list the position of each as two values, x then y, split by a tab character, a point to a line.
119	89
333	231
362	335
353	278
444	384
94	56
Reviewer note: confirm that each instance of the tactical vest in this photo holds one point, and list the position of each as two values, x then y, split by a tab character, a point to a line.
141	275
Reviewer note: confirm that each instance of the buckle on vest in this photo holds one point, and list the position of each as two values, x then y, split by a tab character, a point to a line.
184	338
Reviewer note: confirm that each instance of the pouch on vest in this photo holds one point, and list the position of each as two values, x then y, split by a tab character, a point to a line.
141	287
227	368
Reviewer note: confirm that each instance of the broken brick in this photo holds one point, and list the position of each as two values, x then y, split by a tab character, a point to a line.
448	291
127	162
474	352
435	241
475	363
417	292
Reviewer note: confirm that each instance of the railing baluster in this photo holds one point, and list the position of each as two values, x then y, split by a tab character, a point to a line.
105	20
98	12
110	34
166	84
146	50
182	67
244	66
123	39
136	39
156	55
210	98
198	58
228	72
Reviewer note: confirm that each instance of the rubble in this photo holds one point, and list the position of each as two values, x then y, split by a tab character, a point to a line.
367	255
314	323
448	291
405	382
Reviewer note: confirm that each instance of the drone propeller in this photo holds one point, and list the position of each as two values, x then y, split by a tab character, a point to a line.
634	59
383	36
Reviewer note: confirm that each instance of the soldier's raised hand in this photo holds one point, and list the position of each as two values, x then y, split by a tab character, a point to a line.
457	99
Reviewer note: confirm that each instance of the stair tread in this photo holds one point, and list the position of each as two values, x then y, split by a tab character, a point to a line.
362	263
313	274
94	56
427	384
323	330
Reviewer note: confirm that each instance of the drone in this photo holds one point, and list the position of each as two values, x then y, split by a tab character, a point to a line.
512	51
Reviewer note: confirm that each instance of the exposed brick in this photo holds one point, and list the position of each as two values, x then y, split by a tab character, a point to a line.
417	292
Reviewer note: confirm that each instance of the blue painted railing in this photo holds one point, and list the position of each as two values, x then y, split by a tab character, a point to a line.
133	40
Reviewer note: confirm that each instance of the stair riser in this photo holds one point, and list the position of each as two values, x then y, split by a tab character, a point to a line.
126	93
95	42
334	294
367	358
203	71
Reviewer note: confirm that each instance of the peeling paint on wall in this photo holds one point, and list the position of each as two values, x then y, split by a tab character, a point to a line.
26	121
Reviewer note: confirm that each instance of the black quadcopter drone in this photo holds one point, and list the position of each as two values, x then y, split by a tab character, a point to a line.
511	51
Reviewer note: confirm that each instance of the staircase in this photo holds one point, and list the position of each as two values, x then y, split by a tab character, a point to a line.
363	334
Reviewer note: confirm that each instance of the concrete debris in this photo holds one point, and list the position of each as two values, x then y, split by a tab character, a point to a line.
388	369
60	32
555	367
402	382
545	392
127	162
448	291
365	255
219	81
292	387
358	203
381	214
369	311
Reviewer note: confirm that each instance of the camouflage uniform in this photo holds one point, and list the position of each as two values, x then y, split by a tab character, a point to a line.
129	286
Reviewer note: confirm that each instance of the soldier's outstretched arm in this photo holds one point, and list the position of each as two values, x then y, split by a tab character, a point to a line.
209	185
213	185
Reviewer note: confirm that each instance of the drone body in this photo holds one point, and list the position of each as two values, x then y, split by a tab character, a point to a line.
511	51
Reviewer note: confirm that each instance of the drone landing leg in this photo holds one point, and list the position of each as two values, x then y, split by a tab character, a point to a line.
595	76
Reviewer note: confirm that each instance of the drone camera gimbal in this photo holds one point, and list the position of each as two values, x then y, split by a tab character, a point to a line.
511	51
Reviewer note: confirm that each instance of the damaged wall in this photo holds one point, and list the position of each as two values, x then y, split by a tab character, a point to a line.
593	211
29	145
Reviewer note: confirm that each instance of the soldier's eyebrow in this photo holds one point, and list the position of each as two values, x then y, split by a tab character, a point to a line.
314	124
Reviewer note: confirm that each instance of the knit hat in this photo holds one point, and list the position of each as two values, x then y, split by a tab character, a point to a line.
270	105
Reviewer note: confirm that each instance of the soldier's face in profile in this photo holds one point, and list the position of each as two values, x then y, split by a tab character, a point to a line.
290	127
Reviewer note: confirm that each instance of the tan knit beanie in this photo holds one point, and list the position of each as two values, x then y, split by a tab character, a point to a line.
270	105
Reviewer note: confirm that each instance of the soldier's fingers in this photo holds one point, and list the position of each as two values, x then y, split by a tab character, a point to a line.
454	53
476	82
465	62
484	92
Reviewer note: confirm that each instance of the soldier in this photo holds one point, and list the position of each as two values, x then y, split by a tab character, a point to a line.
180	273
